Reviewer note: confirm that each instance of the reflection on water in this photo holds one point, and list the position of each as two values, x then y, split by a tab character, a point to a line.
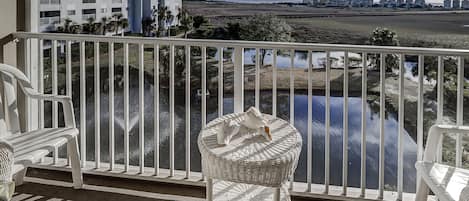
318	107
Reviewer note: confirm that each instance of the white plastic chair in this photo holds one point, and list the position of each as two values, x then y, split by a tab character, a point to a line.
447	182
31	147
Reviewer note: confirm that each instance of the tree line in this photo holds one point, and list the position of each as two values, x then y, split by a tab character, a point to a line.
116	23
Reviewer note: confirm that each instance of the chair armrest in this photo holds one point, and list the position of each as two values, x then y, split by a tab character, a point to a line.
27	88
434	136
66	101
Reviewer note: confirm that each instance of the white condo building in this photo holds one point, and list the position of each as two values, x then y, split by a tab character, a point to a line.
53	12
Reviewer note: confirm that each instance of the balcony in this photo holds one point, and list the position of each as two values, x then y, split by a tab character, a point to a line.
126	90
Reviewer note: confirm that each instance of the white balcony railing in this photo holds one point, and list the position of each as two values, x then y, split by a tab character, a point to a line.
143	126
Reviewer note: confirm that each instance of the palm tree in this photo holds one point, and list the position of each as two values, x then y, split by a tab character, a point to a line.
124	23
169	21
118	22
90	26
162	17
104	25
185	21
115	22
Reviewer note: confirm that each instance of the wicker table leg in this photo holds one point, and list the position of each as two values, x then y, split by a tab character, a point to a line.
209	189
277	194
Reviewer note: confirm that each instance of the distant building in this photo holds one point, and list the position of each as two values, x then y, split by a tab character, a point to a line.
447	4
311	2
54	12
138	10
456	4
141	9
420	3
361	3
465	4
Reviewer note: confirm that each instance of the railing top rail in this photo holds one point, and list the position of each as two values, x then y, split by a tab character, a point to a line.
247	44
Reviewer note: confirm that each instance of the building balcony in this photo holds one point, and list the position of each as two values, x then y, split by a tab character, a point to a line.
363	111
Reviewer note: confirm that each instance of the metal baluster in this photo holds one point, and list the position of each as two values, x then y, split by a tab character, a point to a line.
257	82
141	107
274	84
68	75
345	127
460	108
292	98
310	121
363	125
156	105
204	86
328	124
111	107
171	110
188	111
440	101
400	157
420	113
97	108
83	103
220	82
126	107
382	116
41	81
55	112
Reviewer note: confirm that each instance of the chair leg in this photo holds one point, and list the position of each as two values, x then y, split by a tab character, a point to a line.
72	150
209	189
19	177
277	194
422	191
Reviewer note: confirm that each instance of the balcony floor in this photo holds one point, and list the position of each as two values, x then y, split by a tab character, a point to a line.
48	185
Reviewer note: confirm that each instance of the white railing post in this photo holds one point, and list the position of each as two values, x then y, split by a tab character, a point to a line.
32	60
238	85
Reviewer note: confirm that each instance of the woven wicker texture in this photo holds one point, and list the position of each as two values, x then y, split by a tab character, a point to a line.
225	190
6	162
250	158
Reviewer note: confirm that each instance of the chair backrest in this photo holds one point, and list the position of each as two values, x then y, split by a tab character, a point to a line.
9	116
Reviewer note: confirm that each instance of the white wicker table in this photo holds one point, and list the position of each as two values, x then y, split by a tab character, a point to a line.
249	163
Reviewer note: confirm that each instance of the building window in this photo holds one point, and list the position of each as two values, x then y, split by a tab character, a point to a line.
89	1
52	2
55	13
49	17
88	11
103	10
71	12
116	10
